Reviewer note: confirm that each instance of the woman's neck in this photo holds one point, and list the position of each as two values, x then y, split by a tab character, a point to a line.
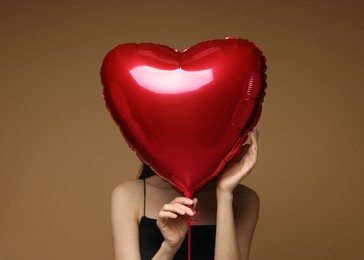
163	184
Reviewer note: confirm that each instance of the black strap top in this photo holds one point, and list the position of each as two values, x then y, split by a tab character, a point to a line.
150	240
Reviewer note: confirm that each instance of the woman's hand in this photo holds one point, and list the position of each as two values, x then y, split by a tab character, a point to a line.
172	220
237	170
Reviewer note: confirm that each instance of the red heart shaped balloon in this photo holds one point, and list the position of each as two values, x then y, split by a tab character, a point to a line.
186	114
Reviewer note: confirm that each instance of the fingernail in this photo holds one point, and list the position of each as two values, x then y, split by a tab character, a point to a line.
196	212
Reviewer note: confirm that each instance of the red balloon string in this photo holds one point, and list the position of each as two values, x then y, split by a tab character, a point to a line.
189	194
189	237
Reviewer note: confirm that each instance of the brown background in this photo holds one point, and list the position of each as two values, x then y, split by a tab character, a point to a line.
61	153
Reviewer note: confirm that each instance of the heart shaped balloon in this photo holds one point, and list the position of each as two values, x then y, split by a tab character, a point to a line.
186	114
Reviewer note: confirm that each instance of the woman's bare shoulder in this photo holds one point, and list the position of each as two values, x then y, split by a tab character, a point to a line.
127	187
128	195
246	191
246	199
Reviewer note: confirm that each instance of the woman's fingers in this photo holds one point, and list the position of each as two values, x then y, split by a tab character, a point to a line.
182	200
253	147
250	151
167	214
195	200
247	148
254	137
177	208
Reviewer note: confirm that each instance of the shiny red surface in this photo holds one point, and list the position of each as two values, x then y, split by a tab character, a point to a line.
186	114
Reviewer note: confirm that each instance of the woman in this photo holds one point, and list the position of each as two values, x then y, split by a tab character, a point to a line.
149	218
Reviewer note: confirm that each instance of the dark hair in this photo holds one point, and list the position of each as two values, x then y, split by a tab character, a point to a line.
145	171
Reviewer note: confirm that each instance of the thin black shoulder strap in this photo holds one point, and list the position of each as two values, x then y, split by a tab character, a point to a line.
144	195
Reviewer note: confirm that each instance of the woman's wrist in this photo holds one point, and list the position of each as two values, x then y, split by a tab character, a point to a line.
169	249
165	252
224	195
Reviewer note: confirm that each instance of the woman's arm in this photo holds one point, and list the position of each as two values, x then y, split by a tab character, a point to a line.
125	200
235	229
